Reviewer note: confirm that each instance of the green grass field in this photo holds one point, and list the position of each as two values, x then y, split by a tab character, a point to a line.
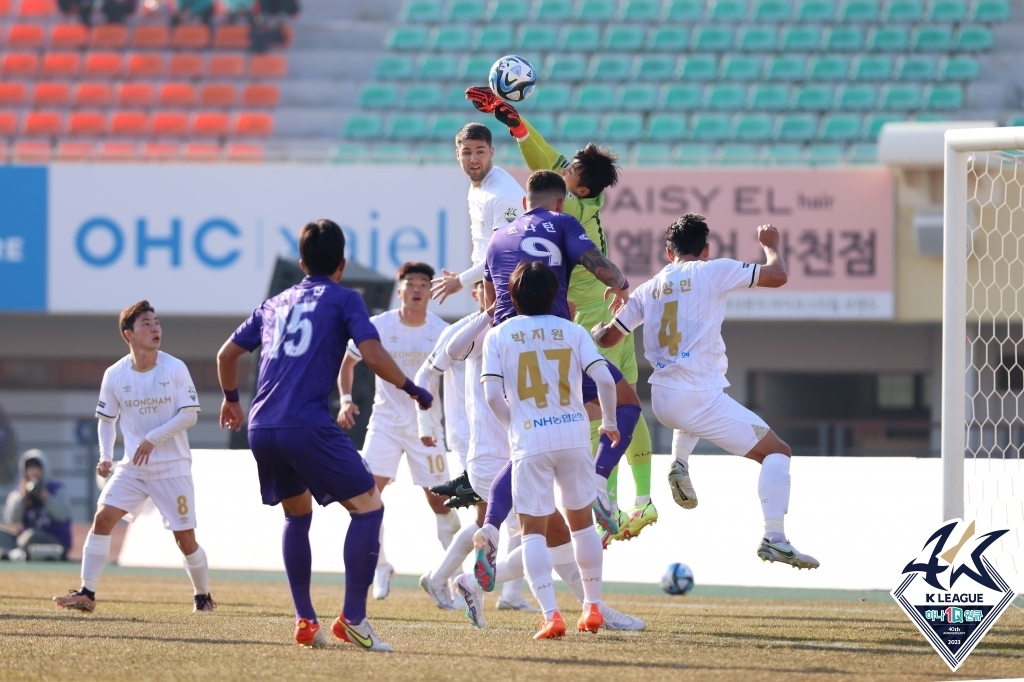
143	628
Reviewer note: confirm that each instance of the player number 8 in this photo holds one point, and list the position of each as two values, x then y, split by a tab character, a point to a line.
182	505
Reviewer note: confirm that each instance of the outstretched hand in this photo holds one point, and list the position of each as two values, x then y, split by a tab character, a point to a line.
489	103
620	297
446	285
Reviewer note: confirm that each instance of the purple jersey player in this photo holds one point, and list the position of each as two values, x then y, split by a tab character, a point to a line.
300	451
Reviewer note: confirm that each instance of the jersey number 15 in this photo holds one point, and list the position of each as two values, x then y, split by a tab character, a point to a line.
292	322
531	382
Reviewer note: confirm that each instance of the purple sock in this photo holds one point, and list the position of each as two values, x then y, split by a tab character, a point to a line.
298	563
500	502
608	457
362	545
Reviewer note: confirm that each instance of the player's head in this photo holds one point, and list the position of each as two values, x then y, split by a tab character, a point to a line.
592	171
687	238
473	144
545	189
478	295
140	327
414	285
533	286
322	249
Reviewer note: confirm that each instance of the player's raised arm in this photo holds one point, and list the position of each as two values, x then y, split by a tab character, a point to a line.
773	273
607	272
428	377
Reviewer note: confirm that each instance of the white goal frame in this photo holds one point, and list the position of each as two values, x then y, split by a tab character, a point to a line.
960	144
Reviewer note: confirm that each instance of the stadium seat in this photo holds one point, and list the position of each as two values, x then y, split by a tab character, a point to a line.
87	123
931	38
640	10
190	37
68	36
93	94
470	67
815	11
209	124
918	67
609	68
51	94
595	10
75	151
680	97
201	152
265	65
12	94
169	124
947	11
828	68
862	153
145	65
407	38
542	123
552	10
651	154
466	10
958	69
455	98
899	97
623	38
61	65
422	11
785	68
224	95
711	38
255	95
709	127
973	39
565	67
42	123
378	96
840	127
232	37
637	97
795	127
445	126
37	8
698	67
799	38
19	64
693	154
727	10
756	38
943	97
772	11
536	37
887	39
139	95
842	39
496	38
177	95
665	127
254	124
160	151
683	11
349	152
855	97
31	151
824	154
575	126
1016	120
768	97
185	65
594	97
654	67
989	11
740	68
782	155
8	123
581	38
724	96
422	96
873	123
103	65
509	10
394	67
903	11
621	127
232	65
24	36
151	36
117	151
751	127
108	37
736	155
450	38
552	97
861	11
668	39
812	97
871	68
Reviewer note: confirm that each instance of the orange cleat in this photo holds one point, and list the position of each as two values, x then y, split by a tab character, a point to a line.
591	620
551	629
307	634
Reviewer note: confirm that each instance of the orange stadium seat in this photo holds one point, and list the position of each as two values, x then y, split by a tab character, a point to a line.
232	37
19	64
142	65
253	124
185	65
87	123
75	151
25	36
245	152
103	65
93	94
226	65
217	95
268	66
201	151
109	36
129	123
61	64
190	37
118	151
177	95
170	124
69	36
51	94
154	36
37	8
43	123
261	95
5	7
135	95
31	151
13	94
210	124
8	123
160	151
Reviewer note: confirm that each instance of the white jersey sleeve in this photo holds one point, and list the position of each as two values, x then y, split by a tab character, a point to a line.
185	396
108	407
632	314
726	274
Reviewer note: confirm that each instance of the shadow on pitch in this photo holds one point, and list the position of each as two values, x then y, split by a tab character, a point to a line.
174	640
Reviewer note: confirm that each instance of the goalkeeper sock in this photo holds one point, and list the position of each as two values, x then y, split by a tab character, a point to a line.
639	457
607	456
773	489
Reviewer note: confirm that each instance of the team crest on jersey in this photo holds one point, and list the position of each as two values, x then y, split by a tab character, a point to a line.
952	591
192	393
511	215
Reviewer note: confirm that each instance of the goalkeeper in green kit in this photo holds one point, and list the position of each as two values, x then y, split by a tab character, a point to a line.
586	176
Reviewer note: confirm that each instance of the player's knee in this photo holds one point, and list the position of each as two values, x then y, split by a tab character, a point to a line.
186	541
626	394
105	520
781	447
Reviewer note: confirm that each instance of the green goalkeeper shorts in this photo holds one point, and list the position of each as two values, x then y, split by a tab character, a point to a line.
623	354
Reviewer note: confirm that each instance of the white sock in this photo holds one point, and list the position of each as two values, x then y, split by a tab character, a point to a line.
773	489
587	548
512	588
456	553
198	571
566	568
681	453
381	559
642	500
447	526
537	561
511	567
94	558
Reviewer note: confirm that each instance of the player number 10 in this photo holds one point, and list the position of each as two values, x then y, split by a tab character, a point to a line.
436	463
531	381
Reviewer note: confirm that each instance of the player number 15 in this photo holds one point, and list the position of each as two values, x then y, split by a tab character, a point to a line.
295	324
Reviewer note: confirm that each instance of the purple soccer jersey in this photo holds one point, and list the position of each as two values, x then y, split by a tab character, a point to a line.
303	333
556	239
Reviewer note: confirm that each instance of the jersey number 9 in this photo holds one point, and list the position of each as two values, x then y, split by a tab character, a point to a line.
531	382
542	248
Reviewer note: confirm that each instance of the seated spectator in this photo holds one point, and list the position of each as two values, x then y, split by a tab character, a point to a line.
115	11
39	510
268	28
238	10
193	9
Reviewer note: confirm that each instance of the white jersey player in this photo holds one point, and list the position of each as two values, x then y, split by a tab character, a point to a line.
153	396
686	301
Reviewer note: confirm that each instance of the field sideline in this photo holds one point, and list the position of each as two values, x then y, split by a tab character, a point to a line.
143	629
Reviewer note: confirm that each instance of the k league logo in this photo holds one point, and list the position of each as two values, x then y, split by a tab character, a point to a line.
952	592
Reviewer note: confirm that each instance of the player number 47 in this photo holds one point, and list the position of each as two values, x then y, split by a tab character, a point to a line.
531	382
292	322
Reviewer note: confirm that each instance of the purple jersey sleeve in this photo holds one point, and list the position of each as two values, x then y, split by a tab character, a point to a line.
357	320
575	241
249	334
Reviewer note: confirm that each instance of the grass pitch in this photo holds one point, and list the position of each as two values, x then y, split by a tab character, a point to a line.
143	629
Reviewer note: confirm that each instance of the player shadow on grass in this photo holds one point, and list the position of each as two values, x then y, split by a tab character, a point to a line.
176	640
603	662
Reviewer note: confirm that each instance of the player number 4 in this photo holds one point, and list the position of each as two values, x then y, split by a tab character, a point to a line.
296	324
531	381
669	335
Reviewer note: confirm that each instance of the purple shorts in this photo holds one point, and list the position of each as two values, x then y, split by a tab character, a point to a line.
321	459
590	388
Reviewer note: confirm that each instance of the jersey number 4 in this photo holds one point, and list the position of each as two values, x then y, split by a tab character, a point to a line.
531	381
669	335
292	322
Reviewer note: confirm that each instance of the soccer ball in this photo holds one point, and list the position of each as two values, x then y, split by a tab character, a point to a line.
512	78
678	579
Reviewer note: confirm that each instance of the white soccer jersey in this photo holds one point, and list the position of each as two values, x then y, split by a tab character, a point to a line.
393	409
541	360
496	202
144	401
456	420
487	437
683	307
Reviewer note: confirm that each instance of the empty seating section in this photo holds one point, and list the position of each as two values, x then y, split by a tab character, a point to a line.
138	91
812	80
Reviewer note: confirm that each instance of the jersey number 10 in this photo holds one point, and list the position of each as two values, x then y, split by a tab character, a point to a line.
531	382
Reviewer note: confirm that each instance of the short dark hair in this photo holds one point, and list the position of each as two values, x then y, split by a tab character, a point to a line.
322	247
474	131
533	286
688	235
544	183
415	267
598	170
126	321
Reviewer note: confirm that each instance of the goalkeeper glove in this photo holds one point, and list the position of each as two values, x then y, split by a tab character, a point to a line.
489	103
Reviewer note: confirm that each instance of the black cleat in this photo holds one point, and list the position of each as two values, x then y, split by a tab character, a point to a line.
462	501
454	488
204	602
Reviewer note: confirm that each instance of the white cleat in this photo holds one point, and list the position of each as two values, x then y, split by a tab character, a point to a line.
382	581
471	593
681	485
516	602
613	620
362	635
604	511
785	553
439	593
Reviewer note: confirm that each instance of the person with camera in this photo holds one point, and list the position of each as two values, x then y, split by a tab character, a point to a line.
39	508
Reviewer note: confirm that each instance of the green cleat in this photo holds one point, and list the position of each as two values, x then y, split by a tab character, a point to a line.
607	537
641	517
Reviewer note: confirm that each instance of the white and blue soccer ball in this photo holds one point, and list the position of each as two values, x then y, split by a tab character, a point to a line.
512	78
678	579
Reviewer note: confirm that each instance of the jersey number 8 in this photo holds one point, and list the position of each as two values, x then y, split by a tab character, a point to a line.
531	382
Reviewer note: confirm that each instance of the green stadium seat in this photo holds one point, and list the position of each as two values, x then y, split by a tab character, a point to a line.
654	67
795	127
509	10
871	68
709	127
751	127
825	154
668	38
494	38
444	126
651	154
856	97
537	37
768	97
451	38
394	67
958	69
888	39
466	10
693	154
680	97
948	11
736	67
727	10
736	155
799	38
437	67
565	67
698	67
828	68
711	38
785	68
391	152
683	11
422	96
421	11
378	96
903	11
553	10
637	97
454	98
842	39
594	97
577	126
990	11
622	127
348	152
407	38
665	127
474	67
916	67
405	127
580	37
930	118
782	155
859	11
596	10
862	153
840	127
900	97
756	38
812	97
943	97
815	11
610	67
931	38
1015	120
434	152
626	38
640	10
725	96
873	123
542	123
498	129
973	39
551	97
772	11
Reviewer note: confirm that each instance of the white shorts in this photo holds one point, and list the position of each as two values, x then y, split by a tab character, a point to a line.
534	477
174	497
482	471
708	414
459	455
383	450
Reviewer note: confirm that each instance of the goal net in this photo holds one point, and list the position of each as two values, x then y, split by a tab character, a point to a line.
983	338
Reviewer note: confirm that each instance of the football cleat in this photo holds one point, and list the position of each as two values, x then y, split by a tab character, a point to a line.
606	537
462	501
590	620
551	629
309	635
362	634
485	541
75	601
785	553
473	596
382	581
456	487
604	511
440	595
203	603
681	485
613	620
516	602
641	517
